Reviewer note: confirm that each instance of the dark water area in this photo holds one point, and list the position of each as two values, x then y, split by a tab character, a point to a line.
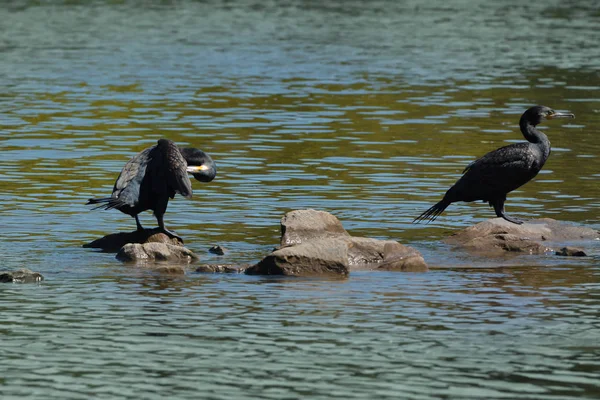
368	110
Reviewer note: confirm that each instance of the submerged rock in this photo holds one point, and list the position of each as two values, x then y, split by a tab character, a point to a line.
571	252
22	275
218	250
115	241
155	252
315	242
498	236
220	269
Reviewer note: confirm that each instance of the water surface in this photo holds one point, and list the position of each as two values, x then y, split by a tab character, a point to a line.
366	110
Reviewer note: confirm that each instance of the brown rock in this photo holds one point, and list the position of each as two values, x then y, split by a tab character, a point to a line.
317	257
115	241
498	236
302	225
22	275
155	252
398	257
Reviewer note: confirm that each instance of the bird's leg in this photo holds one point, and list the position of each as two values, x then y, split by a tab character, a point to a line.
499	208
140	228
161	226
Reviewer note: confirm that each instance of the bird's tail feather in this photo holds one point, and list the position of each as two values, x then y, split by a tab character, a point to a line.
432	213
106	203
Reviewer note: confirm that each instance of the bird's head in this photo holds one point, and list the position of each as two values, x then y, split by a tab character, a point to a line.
535	115
200	165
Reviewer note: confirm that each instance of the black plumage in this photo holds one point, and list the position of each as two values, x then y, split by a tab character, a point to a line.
491	177
154	176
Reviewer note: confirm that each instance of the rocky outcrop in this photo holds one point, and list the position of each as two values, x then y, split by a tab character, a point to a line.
498	236
115	241
155	252
22	275
315	243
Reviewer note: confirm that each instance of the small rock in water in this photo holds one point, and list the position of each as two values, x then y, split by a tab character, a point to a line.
22	275
218	250
571	252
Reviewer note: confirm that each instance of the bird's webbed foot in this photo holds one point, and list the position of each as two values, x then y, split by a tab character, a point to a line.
511	219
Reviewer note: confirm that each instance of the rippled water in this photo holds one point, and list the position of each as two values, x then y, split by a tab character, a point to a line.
369	110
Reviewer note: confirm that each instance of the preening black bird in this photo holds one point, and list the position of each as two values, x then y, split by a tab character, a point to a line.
503	170
152	177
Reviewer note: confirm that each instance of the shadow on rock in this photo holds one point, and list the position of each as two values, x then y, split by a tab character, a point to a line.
150	248
315	243
114	241
498	236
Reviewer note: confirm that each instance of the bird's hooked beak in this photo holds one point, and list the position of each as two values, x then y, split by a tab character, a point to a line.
560	115
195	169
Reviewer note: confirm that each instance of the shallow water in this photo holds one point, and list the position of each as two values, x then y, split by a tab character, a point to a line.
367	110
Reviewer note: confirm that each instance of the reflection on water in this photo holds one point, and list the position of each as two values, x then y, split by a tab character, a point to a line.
367	110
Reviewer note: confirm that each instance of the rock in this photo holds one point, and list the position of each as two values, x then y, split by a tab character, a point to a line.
220	269
302	225
155	252
218	250
315	242
498	236
571	252
397	257
115	241
316	257
22	275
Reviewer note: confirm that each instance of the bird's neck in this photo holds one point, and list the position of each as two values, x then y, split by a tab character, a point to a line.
533	135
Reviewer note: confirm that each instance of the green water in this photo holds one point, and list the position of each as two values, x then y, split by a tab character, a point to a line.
368	110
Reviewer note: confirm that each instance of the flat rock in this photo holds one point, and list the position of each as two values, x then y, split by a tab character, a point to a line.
301	225
22	275
498	236
114	241
327	256
155	252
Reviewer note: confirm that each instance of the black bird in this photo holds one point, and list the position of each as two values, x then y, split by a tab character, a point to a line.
503	170
153	176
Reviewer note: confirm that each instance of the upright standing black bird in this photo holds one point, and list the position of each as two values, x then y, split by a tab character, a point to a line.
153	176
503	170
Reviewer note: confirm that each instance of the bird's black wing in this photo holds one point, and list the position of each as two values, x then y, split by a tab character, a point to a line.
127	186
173	170
497	173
